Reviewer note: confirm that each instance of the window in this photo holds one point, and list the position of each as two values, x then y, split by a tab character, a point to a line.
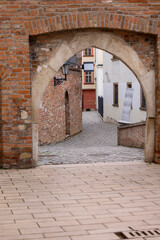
115	94
143	101
129	85
114	58
88	52
88	77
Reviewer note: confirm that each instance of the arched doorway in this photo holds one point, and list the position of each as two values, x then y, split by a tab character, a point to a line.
112	44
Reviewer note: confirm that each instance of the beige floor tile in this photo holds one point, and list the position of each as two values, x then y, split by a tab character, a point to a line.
79	202
109	236
39	230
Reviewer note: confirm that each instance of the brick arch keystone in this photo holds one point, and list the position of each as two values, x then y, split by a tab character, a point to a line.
112	44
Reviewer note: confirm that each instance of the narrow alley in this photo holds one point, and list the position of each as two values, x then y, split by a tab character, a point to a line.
96	143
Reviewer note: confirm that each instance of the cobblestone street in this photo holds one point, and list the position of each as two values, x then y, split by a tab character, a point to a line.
96	143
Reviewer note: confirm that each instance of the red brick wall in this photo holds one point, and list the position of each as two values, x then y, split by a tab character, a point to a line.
132	135
52	122
133	20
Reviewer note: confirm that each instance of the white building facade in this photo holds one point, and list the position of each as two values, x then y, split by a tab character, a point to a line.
112	79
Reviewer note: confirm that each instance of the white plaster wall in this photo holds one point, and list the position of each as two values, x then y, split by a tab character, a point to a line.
116	71
99	56
99	83
99	74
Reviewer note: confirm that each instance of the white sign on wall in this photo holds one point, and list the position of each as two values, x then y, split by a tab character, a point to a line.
127	106
88	66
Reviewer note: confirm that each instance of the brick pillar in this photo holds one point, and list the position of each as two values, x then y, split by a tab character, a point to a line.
1	145
157	123
15	105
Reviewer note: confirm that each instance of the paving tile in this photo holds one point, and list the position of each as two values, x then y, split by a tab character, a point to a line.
99	220
60	238
57	238
75	212
64	234
134	224
132	218
109	236
85	227
5	221
11	232
43	230
57	223
22	237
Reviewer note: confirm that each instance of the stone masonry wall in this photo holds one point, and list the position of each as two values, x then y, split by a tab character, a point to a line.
52	122
132	135
21	22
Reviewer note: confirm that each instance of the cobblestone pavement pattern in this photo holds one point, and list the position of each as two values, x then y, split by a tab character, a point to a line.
81	202
96	143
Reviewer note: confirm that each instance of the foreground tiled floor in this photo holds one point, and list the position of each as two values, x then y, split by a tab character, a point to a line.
80	202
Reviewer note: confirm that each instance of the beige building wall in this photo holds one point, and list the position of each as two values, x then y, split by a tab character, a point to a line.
89	59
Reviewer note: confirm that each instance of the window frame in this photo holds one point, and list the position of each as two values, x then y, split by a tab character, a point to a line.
129	85
88	55
115	92
92	77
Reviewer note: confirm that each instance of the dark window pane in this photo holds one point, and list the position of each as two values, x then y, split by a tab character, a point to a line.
115	94
129	85
143	101
88	77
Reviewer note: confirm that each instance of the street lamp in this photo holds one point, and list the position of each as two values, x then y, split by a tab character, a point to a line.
65	70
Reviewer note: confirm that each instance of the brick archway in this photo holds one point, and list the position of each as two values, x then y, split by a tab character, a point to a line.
112	44
136	22
91	19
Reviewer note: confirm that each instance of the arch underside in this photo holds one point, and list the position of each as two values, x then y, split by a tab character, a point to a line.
107	42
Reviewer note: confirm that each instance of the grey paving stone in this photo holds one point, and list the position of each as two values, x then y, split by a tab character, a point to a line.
96	143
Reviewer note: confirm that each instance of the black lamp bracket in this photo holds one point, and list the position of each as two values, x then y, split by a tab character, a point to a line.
58	81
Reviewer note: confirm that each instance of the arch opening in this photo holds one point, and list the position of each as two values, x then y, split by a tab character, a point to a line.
115	46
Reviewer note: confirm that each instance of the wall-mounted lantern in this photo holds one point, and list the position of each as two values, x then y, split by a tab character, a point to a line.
65	70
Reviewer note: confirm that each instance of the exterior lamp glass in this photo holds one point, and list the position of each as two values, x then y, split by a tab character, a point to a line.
65	68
